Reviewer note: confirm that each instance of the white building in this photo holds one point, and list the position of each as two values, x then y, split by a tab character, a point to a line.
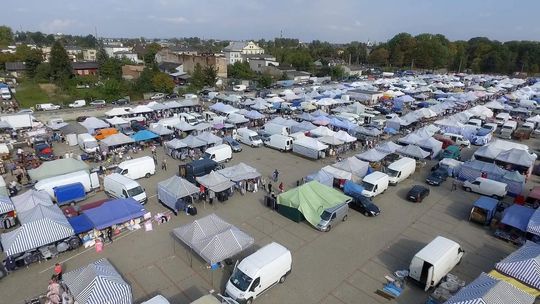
235	50
111	49
127	55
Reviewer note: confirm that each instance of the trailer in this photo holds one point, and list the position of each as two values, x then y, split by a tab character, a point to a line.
69	193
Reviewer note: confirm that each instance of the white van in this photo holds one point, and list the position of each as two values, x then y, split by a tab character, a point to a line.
89	181
220	153
47	107
435	261
137	168
258	272
272	128
280	142
87	143
501	118
375	184
458	139
487	187
119	186
78	103
239	88
400	170
188	118
248	137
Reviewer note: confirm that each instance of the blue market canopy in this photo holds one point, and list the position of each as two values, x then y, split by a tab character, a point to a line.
523	264
97	283
517	216
144	135
213	238
487	290
115	212
80	223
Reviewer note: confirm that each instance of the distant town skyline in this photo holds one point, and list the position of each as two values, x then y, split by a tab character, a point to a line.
338	21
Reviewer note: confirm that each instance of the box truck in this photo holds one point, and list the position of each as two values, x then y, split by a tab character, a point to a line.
400	170
258	272
119	186
435	261
89	181
87	143
137	168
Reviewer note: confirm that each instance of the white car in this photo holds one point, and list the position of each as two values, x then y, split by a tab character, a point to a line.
157	96
6	95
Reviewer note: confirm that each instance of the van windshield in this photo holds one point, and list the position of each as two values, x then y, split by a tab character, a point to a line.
326	215
240	280
254	138
392	172
368	186
135	191
207	155
119	170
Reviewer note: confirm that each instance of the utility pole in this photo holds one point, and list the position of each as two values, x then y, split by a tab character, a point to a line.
412	64
460	63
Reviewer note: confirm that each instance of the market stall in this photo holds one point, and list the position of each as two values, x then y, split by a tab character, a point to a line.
97	283
57	167
213	238
523	264
218	184
115	212
514	224
176	148
31	199
176	193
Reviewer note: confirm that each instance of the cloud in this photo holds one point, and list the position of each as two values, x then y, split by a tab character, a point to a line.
175	20
58	25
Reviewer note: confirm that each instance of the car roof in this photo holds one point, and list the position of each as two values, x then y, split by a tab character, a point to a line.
418	188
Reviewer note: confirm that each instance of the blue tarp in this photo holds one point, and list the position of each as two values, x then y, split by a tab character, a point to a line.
69	193
115	212
487	203
517	216
144	135
80	223
352	189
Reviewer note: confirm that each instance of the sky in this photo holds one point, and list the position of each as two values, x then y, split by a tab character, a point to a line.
337	21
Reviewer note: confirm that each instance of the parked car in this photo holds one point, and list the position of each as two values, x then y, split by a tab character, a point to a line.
265	137
437	176
157	96
364	205
78	103
453	152
98	102
417	193
171	96
235	145
120	101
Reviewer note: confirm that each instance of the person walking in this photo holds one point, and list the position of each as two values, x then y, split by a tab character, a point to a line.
281	187
164	164
58	271
269	187
275	175
110	234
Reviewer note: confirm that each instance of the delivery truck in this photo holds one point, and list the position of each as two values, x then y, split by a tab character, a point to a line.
89	181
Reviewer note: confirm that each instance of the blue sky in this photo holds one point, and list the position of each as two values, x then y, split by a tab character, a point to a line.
329	20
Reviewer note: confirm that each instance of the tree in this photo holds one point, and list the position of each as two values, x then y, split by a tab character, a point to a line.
240	70
43	72
149	56
144	82
210	75
265	80
379	56
61	69
163	83
111	68
197	77
6	35
337	72
33	59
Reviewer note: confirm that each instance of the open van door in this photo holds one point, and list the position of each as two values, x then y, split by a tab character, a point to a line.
429	278
94	180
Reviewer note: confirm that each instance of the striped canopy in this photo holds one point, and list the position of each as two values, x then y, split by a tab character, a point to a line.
213	238
534	223
488	290
5	204
98	282
523	264
35	234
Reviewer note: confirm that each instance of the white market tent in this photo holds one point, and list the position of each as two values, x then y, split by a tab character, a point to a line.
213	238
523	264
372	155
215	182
6	205
118	112
92	124
239	172
322	131
160	130
31	199
175	143
413	151
344	136
388	147
117	140
193	142
140	109
115	121
173	189
209	138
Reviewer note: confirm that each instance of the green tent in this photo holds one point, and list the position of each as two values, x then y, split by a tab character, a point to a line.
309	201
57	167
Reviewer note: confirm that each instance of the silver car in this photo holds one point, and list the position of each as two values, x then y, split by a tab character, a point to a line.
332	216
